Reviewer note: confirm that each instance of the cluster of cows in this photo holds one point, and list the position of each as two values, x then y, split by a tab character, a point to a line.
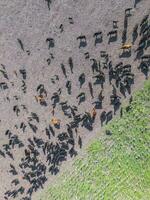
43	156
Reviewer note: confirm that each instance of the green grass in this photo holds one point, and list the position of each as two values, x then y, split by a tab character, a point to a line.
115	167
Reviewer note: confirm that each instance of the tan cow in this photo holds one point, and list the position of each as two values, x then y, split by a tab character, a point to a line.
39	98
126	46
55	121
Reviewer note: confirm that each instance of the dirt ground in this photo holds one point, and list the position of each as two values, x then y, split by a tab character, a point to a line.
32	22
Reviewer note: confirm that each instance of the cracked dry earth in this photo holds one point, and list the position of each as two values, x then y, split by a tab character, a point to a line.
53	69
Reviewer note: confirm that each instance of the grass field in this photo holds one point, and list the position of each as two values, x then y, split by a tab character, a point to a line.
115	167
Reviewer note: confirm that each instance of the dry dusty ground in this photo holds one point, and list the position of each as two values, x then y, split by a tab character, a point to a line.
32	22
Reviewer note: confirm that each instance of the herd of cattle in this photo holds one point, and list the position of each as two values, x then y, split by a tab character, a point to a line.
31	172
